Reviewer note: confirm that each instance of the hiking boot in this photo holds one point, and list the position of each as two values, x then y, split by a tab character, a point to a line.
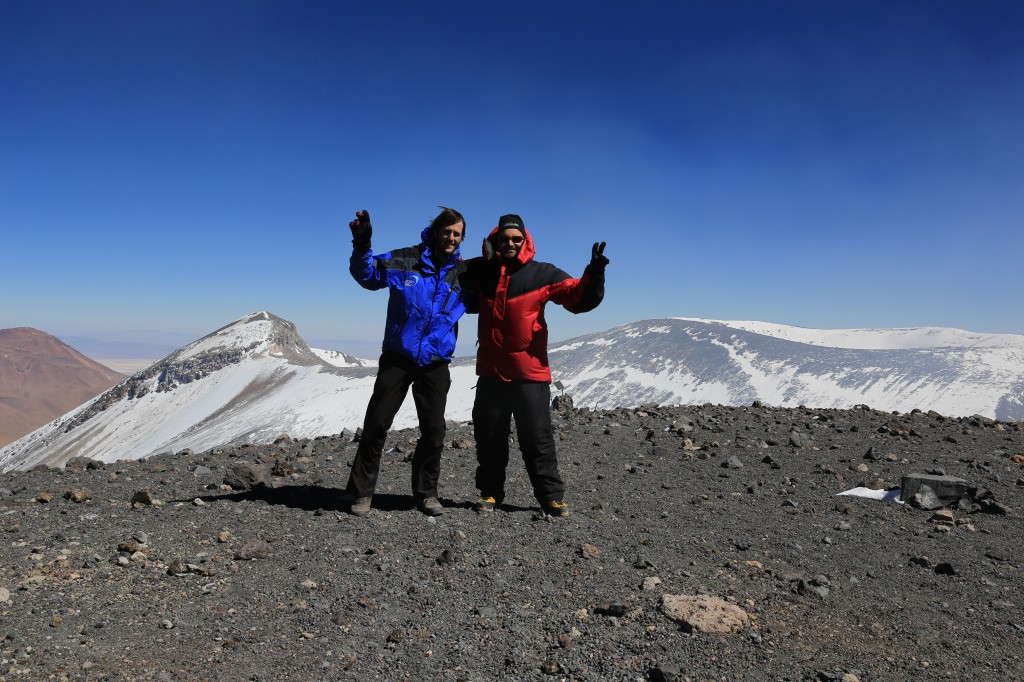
485	504
361	507
430	506
555	508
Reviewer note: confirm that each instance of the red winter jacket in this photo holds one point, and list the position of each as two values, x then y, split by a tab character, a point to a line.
512	332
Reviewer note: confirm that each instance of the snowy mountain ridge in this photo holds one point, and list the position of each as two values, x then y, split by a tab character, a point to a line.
256	379
878	339
685	361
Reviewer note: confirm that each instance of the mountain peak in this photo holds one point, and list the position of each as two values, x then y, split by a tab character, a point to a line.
236	384
253	334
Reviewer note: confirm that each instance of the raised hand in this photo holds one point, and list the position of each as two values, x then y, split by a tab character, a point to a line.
598	261
361	231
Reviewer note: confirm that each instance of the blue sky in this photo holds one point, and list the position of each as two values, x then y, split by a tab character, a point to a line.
168	167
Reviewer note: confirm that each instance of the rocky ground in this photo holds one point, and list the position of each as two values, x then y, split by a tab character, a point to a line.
242	564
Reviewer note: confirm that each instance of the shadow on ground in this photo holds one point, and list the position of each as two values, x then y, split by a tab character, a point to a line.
320	498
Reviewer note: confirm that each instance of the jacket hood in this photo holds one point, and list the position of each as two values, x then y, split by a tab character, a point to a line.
526	253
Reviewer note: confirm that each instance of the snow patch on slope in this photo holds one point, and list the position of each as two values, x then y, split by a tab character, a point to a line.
878	339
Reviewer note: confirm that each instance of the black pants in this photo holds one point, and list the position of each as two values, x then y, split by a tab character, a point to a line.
528	401
430	384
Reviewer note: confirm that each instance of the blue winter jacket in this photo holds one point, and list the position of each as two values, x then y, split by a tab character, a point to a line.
425	303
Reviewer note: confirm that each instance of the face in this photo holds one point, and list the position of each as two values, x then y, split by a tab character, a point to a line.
510	241
449	238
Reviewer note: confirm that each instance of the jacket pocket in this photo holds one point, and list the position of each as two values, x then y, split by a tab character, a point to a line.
394	336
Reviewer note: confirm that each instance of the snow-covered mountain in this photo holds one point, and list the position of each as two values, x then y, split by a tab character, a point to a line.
256	379
685	361
247	382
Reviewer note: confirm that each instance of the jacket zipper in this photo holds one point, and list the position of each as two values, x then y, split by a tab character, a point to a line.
430	318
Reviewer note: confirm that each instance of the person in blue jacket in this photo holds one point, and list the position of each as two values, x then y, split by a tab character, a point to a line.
424	307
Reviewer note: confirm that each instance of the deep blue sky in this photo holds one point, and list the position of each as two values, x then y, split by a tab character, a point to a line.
167	167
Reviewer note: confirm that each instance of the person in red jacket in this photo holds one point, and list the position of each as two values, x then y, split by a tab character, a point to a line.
512	359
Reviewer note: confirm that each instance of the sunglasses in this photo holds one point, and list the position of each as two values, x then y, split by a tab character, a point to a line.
514	240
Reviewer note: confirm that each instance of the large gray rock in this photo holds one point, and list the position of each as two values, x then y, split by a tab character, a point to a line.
244	476
702	613
948	489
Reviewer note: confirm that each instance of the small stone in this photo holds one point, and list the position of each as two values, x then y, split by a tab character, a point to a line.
44	498
798	439
613	610
77	496
651	583
254	549
550	667
143	498
925	498
873	454
588	551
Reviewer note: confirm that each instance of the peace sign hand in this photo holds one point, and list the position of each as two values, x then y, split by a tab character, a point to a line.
598	260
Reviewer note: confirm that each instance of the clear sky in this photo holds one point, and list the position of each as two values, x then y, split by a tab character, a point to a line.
168	167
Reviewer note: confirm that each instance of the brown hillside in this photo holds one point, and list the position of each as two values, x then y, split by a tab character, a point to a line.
41	378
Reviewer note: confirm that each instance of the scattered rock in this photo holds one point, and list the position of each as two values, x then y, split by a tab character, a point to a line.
245	476
77	496
143	498
254	549
650	583
705	614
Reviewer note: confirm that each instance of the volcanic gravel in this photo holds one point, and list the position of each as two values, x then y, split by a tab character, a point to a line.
241	563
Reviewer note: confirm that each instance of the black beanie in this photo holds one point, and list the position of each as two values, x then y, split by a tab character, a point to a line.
511	222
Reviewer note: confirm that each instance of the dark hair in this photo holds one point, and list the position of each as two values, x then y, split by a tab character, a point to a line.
446	218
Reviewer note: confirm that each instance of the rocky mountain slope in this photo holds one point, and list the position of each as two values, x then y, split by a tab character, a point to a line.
256	378
41	378
686	361
246	382
240	563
